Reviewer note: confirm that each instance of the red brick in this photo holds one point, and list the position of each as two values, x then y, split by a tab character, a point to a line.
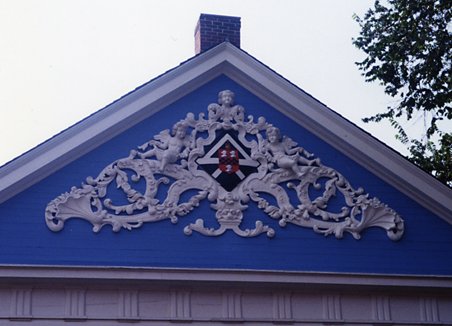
212	30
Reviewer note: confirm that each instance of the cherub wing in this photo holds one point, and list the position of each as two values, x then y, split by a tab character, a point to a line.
163	135
288	143
291	147
162	139
158	139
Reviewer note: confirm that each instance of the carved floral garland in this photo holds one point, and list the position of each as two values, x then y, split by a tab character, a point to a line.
230	161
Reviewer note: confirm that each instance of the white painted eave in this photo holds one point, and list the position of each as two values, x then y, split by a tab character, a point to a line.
14	274
263	82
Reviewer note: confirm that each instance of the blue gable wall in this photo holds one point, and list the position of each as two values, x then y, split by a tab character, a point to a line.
425	248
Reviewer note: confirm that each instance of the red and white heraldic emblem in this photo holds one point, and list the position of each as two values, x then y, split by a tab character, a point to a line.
228	159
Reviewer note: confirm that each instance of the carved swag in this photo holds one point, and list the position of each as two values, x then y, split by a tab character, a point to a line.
229	161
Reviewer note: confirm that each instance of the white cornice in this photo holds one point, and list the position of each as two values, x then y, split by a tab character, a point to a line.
217	276
259	79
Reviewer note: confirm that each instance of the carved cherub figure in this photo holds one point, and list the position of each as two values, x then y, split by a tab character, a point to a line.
226	98
168	148
225	109
284	152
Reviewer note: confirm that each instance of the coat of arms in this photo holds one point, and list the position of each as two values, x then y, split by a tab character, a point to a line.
228	159
231	162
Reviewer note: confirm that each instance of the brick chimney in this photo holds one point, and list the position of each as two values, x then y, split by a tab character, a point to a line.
212	30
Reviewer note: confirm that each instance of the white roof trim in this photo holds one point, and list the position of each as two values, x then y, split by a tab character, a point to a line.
218	276
259	79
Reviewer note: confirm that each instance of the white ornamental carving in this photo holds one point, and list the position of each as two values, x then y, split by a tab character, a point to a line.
231	162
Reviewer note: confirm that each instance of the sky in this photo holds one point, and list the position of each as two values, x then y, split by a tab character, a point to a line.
61	61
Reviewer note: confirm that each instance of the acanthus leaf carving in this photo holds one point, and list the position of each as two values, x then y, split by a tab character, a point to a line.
231	162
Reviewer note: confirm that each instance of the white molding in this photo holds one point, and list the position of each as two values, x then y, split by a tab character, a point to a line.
180	304
75	303
232	305
265	83
282	306
35	273
21	303
128	304
332	307
429	310
116	301
381	308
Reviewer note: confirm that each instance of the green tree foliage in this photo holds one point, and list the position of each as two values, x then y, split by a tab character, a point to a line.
408	48
436	160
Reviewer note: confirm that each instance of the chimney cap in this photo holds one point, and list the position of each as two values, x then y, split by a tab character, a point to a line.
212	30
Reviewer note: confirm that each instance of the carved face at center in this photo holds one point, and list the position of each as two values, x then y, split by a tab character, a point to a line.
226	98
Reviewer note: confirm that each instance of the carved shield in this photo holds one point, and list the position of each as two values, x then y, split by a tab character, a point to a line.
228	158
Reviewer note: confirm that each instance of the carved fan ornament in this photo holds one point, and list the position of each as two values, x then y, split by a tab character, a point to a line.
229	161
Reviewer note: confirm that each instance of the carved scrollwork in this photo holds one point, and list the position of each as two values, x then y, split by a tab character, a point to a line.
231	162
